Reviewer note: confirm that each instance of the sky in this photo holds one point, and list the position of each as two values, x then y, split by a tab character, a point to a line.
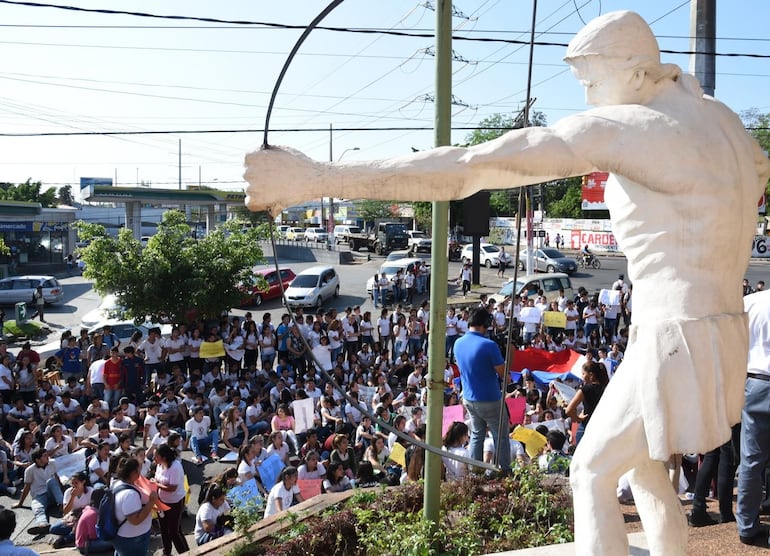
73	71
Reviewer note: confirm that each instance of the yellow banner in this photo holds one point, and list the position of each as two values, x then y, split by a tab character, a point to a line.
555	319
212	349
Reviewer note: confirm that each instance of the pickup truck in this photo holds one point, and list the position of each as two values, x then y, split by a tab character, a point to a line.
384	238
419	241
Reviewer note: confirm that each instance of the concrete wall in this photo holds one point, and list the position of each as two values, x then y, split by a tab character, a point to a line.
309	254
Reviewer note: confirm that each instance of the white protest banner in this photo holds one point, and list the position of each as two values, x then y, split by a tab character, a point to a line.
610	297
303	414
67	466
366	394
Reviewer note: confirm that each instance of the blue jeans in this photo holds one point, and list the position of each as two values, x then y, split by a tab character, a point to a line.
260	427
112	397
755	452
132	546
98	390
203	446
450	344
96	546
40	503
376	296
63	530
488	414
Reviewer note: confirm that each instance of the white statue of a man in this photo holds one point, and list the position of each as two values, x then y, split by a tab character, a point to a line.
682	194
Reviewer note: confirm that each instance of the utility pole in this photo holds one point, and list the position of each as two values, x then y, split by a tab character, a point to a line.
703	39
529	189
439	266
180	164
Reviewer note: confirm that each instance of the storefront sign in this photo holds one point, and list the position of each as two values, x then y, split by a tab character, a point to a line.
34	226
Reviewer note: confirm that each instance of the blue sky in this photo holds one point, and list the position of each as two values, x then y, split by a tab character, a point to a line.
75	71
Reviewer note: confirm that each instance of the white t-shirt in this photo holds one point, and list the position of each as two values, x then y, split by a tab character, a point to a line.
6	373
279	492
66	441
179	343
173	475
304	474
96	372
244	469
95	464
455	470
83	432
152	350
207	512
80	501
199	430
253	412
128	502
151	425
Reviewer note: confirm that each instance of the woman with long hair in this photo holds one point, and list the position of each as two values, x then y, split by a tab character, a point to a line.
336	480
245	463
234	431
169	476
267	346
455	442
76	497
208	520
250	345
284	493
595	380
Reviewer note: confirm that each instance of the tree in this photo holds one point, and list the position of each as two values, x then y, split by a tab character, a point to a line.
28	192
65	196
370	210
174	274
563	198
758	125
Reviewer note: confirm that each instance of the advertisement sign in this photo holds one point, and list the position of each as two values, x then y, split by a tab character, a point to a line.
598	241
759	247
593	191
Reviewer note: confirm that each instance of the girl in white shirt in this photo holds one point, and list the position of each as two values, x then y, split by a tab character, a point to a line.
454	442
207	527
134	511
169	476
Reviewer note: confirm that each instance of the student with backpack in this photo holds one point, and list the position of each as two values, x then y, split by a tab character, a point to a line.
86	539
125	516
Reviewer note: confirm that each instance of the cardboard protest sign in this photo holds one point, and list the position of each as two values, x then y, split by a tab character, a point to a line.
555	319
269	470
67	466
398	454
212	349
553	424
610	297
309	487
452	413
231	457
303	414
240	495
146	486
516	409
533	441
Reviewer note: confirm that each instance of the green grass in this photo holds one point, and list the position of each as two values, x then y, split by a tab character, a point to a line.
28	328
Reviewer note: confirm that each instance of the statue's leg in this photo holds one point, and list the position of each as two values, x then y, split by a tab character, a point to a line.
613	444
665	524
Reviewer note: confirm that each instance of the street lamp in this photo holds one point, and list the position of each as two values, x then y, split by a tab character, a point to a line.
330	225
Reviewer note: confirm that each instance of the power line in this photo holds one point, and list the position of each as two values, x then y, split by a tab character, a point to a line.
247	23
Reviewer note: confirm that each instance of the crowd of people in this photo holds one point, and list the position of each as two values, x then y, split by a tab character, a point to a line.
135	408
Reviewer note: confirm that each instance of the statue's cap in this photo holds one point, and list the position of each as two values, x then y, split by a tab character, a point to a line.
621	34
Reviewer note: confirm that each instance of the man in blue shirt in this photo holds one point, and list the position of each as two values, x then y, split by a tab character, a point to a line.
7	525
481	366
69	359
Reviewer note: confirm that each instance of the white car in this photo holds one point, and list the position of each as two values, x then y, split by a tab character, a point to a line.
313	286
488	254
19	289
108	310
419	241
295	234
316	234
389	268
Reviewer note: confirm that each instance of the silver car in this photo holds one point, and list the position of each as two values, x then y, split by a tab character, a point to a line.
313	286
19	289
548	260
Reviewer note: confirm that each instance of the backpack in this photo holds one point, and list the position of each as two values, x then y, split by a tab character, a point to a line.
107	525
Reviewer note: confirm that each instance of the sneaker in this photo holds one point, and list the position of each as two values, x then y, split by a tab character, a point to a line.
43	529
214	456
11	491
61	542
196	460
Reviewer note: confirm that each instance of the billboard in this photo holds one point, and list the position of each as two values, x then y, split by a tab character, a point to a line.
593	191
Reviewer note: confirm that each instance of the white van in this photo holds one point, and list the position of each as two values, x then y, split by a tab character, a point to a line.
549	283
343	231
313	286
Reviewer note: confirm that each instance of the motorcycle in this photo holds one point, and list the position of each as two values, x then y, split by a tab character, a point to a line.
588	261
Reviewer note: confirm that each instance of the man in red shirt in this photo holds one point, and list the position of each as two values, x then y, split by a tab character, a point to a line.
113	378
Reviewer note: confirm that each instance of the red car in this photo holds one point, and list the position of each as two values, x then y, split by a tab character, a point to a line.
273	287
